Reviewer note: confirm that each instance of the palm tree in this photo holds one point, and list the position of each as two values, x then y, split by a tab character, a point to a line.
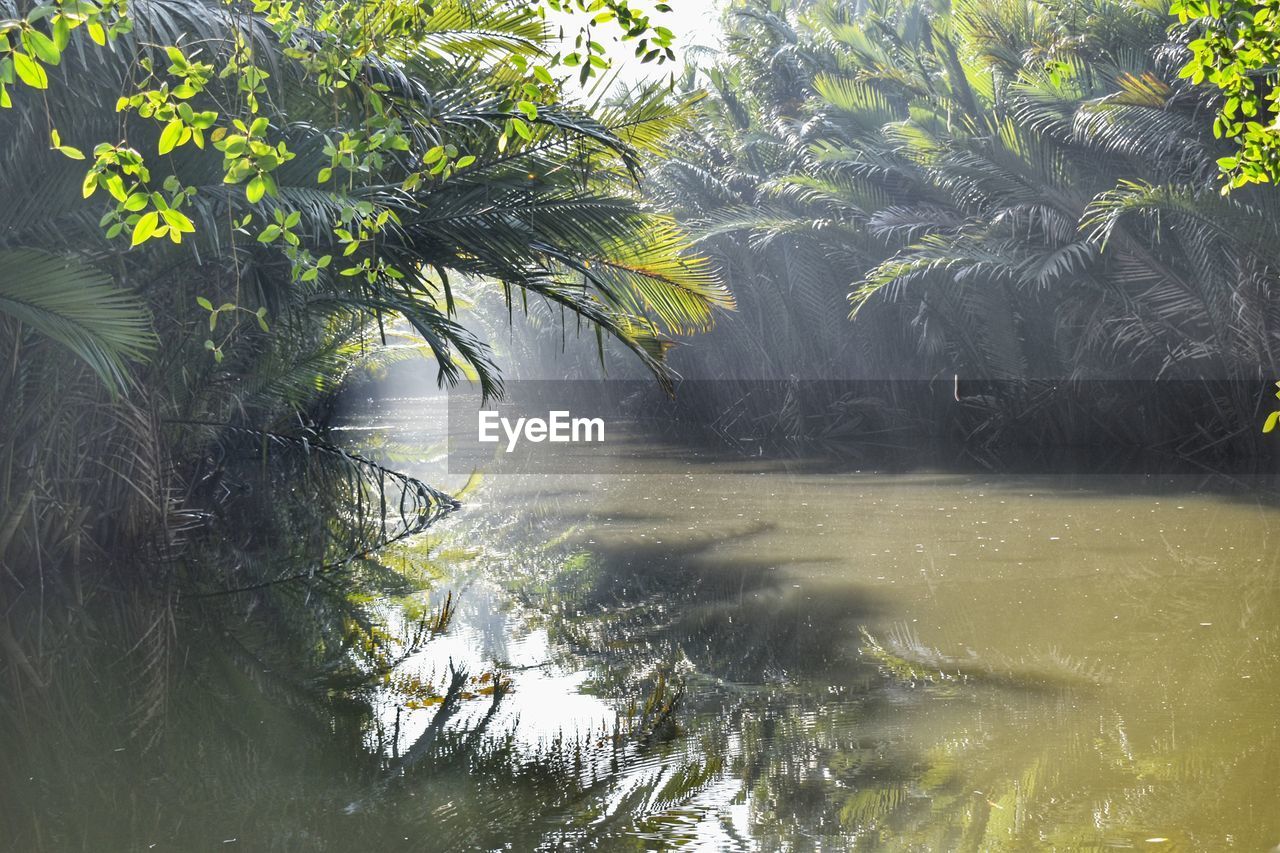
1009	190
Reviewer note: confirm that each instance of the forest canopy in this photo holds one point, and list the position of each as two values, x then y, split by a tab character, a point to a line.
335	124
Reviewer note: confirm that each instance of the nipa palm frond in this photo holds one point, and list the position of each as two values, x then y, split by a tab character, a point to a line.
79	307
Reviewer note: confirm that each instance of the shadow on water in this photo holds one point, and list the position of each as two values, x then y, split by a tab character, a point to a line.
831	718
883	745
738	621
258	718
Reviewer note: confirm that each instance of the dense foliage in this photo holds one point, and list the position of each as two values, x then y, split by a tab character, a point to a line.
1000	190
1237	49
269	190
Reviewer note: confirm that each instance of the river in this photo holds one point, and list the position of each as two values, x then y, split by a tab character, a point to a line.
714	653
911	661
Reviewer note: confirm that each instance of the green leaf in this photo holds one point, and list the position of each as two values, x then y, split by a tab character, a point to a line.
146	227
42	46
77	306
61	34
204	303
30	71
255	189
171	135
1272	419
178	222
115	186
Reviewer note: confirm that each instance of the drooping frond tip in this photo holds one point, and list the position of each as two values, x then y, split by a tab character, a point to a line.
655	273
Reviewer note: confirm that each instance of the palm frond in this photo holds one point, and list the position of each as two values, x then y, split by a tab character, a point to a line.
74	304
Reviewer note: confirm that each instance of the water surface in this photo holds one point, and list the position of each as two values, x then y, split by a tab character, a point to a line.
687	652
912	661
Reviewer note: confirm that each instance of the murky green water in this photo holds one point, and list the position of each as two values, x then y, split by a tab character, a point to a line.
924	661
754	654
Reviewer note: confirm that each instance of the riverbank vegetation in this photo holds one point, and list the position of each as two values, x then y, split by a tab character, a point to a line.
216	212
1006	199
219	213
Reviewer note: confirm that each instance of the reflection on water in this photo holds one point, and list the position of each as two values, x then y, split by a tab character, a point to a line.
735	655
920	661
